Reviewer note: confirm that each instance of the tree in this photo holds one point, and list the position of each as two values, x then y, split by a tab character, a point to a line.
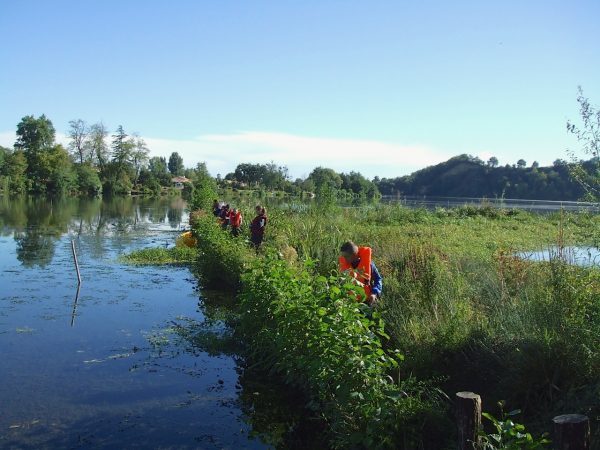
158	168
325	178
357	184
251	174
78	132
274	176
521	164
588	136
59	168
559	162
535	165
121	149
205	189
35	137
98	150
493	162
88	180
3	152
175	164
139	155
15	169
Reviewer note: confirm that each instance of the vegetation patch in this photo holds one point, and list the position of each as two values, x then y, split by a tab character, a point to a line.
158	255
464	311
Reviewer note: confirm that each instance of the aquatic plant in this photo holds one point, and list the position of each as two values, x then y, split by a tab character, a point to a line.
159	255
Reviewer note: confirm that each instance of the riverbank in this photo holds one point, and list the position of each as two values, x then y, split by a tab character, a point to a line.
463	310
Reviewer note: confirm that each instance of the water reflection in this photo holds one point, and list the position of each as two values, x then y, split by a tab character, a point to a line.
37	224
75	304
138	356
580	256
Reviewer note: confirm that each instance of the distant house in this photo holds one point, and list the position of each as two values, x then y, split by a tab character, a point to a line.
178	182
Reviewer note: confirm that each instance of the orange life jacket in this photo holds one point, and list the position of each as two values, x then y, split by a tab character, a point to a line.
362	273
236	219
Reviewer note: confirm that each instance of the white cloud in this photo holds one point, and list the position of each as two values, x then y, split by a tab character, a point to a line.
222	152
301	154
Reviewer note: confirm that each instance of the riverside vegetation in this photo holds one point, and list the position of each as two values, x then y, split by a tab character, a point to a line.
460	312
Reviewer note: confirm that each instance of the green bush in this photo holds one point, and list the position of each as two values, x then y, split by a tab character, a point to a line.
221	257
310	329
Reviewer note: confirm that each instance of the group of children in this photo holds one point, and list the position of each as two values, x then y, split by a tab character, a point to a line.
354	260
232	217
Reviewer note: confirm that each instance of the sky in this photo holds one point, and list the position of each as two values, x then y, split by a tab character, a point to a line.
380	87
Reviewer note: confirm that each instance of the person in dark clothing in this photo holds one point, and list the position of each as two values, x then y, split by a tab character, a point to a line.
257	227
216	208
225	216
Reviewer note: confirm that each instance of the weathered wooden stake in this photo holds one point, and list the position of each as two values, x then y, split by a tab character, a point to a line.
75	259
468	420
75	304
571	432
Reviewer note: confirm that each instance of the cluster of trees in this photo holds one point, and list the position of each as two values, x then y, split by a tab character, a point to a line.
37	225
321	181
267	176
89	165
468	176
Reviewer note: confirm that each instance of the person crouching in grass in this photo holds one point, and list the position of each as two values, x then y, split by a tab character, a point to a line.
356	262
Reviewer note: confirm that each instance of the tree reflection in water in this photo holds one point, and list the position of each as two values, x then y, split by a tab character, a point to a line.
37	224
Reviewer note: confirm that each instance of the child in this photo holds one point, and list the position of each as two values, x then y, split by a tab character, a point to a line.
257	227
236	221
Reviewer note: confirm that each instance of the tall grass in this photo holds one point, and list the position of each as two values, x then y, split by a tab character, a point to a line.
464	310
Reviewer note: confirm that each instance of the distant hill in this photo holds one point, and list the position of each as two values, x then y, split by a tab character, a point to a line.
468	176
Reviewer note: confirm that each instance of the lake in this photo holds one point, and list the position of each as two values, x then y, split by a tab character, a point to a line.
139	357
540	206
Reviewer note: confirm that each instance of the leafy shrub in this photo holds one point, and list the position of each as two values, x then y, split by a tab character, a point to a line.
309	329
221	258
508	435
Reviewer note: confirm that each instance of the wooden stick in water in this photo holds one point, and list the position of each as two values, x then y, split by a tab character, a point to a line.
75	259
75	305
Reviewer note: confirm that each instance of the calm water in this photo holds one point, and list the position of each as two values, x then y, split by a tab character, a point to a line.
528	205
581	256
139	359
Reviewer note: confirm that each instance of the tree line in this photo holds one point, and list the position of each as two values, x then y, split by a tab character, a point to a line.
468	176
321	181
91	164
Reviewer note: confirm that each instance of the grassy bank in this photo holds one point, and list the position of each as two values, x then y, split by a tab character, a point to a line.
465	313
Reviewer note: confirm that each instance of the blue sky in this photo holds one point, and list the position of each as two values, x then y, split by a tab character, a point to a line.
383	87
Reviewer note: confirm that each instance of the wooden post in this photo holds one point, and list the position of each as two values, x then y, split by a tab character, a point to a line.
468	420
75	305
571	432
75	259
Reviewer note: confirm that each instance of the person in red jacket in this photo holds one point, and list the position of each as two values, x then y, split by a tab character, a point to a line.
235	221
257	227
